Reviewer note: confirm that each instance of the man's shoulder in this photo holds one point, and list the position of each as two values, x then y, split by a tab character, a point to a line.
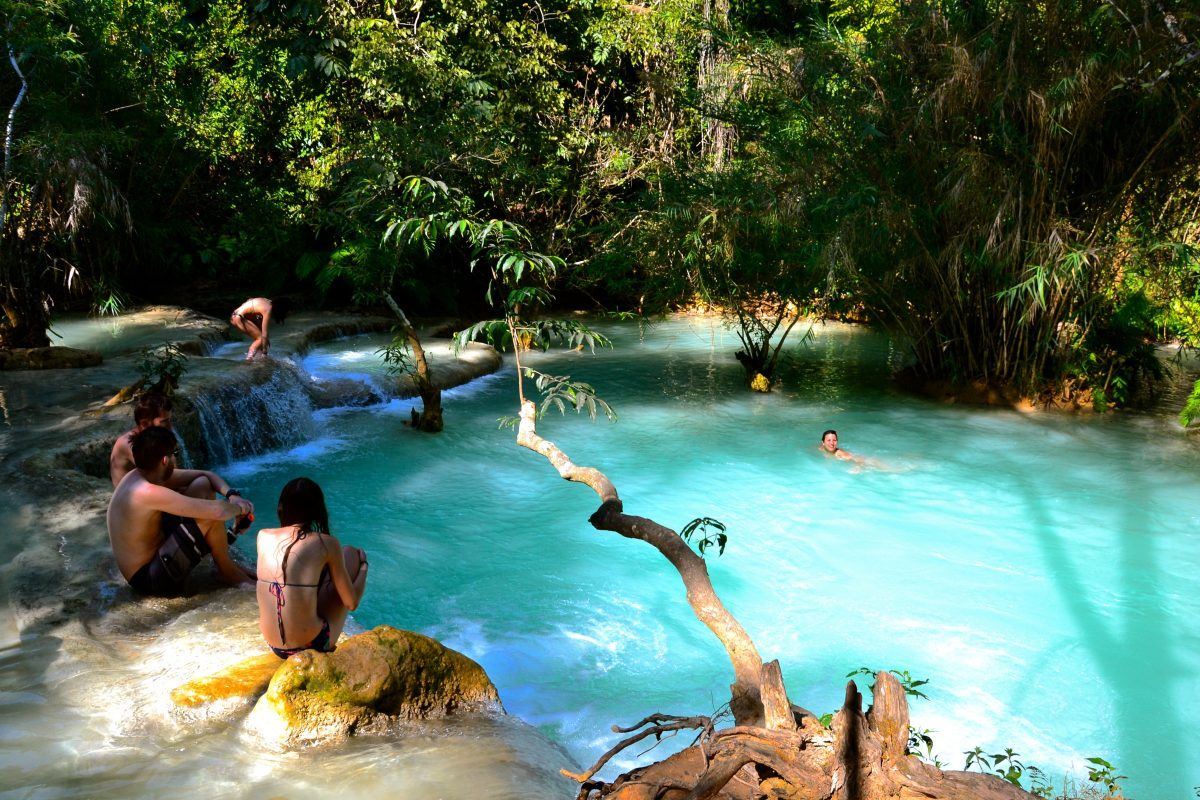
124	443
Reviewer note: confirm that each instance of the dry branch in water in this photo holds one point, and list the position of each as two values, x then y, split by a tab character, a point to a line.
774	749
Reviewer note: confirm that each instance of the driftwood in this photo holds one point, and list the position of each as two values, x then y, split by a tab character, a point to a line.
774	749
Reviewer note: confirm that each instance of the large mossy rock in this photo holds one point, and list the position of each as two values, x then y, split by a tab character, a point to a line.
370	682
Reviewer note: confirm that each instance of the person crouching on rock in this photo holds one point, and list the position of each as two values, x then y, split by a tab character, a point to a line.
152	408
254	318
307	581
158	533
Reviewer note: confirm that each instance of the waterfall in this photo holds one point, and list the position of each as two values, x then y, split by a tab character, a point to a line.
247	415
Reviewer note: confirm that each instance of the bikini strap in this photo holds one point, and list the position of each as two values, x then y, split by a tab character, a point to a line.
277	593
300	585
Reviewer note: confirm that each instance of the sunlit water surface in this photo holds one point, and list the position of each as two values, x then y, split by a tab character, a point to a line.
1042	571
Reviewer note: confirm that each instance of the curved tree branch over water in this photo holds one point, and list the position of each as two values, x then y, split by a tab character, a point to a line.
773	744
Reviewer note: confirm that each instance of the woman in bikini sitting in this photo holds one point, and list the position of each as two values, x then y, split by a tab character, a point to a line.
307	581
254	318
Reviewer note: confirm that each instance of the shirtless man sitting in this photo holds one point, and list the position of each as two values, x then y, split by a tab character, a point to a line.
254	317
152	409
159	534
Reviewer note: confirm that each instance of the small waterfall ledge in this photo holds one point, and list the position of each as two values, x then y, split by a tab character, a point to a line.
231	410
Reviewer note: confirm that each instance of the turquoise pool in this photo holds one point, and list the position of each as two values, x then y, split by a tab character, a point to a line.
1042	571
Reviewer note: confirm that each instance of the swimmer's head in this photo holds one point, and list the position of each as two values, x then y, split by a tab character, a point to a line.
829	441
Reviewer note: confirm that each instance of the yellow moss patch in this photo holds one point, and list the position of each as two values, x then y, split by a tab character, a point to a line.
246	678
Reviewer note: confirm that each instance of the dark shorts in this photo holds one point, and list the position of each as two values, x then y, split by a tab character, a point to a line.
320	644
165	575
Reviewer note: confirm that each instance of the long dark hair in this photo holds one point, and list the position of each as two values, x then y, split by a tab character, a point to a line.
302	503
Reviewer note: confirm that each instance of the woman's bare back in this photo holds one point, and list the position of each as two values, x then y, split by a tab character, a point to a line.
291	599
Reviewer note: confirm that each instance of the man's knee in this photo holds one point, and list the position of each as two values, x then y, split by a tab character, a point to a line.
201	488
214	533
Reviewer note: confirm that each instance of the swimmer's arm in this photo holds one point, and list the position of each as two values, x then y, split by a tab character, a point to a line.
337	571
160	498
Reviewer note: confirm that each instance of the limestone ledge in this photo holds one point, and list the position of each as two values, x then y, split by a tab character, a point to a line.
225	382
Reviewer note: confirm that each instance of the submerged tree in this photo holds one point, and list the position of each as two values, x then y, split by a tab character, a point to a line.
774	747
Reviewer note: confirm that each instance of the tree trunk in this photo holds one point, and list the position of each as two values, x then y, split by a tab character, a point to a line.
862	757
713	82
25	319
430	418
8	131
745	703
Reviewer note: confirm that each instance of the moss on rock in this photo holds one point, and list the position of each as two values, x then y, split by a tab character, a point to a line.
371	681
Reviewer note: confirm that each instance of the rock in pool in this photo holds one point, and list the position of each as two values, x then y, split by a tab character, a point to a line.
368	683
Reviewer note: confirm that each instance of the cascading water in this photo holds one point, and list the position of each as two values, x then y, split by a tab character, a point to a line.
249	416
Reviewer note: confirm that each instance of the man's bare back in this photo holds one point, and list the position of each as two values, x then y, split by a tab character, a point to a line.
136	521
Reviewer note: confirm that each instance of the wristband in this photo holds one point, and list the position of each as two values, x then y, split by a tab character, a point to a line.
232	493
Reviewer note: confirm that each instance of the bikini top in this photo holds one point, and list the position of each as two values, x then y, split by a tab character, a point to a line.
277	587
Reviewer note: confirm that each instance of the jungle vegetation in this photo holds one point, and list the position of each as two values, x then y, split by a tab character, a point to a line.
1009	188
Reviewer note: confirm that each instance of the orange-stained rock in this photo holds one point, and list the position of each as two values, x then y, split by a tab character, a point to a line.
371	681
246	679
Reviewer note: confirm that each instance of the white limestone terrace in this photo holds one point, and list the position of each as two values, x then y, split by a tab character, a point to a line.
86	665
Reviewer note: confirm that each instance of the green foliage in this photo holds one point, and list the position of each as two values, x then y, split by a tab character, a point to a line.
560	392
920	744
1191	409
1006	765
397	354
708	532
163	367
1011	189
107	299
912	686
1105	774
1009	766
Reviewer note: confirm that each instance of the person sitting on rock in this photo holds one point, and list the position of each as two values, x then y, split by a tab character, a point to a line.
158	533
152	408
307	581
254	318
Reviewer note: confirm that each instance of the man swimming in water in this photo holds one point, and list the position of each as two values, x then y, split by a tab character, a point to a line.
159	534
254	318
829	446
152	408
